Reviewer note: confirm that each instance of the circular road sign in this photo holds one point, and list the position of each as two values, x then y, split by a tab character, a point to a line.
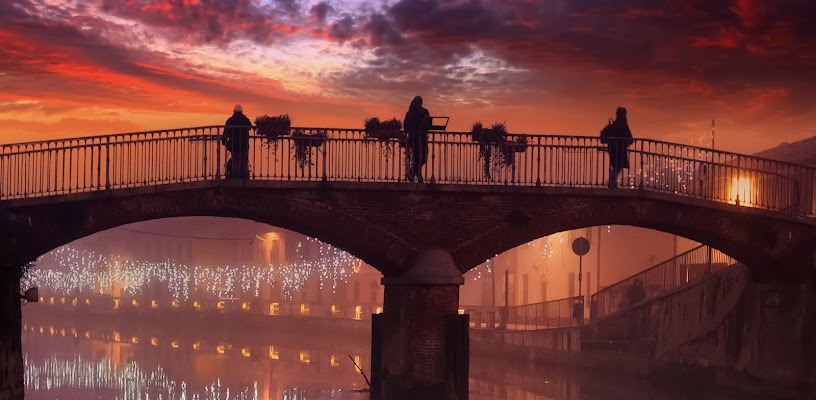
580	246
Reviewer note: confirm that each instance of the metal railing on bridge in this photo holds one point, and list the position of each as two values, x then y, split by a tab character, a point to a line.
561	313
97	163
688	267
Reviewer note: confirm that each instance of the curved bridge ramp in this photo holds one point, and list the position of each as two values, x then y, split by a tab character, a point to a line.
718	329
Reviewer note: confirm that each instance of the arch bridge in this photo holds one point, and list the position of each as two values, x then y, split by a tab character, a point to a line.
480	197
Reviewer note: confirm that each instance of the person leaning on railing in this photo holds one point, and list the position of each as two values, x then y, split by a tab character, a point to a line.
236	141
618	138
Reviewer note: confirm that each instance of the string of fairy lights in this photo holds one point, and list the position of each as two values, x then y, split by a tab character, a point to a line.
545	247
70	270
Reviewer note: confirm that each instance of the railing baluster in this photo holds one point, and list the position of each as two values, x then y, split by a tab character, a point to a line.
162	157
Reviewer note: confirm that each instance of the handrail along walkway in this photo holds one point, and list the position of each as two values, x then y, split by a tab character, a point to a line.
163	157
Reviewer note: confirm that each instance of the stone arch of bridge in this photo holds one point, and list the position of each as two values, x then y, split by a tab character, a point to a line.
36	230
771	248
387	226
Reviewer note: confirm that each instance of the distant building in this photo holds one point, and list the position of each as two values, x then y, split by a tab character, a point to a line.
547	269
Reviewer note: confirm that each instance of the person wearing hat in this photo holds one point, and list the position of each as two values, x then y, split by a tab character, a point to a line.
236	141
618	138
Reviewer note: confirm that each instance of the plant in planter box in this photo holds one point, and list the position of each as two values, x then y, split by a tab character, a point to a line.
304	143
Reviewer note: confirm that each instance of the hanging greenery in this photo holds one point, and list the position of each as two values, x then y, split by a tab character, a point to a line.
304	143
493	149
384	131
272	128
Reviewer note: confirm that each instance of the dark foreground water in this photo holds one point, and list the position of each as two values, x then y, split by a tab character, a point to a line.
67	358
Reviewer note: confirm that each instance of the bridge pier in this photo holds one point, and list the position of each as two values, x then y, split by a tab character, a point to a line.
11	349
420	341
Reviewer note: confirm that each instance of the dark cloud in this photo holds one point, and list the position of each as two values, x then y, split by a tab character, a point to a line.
212	21
320	11
733	48
382	32
342	29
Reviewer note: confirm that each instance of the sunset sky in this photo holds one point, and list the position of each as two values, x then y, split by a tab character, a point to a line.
81	67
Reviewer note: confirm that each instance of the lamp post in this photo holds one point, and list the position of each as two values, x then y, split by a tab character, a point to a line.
580	247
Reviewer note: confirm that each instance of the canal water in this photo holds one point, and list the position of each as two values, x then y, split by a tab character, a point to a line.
76	358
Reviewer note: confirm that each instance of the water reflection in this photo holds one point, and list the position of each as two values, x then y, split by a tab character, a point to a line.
70	356
66	360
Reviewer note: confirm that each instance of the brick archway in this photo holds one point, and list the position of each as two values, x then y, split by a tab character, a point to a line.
387	224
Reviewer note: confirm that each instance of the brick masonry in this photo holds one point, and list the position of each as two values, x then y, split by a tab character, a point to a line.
413	338
387	224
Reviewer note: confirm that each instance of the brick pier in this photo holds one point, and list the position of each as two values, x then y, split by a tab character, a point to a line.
415	358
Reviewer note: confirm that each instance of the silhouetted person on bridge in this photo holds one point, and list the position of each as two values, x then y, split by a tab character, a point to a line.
618	138
635	293
417	122
236	141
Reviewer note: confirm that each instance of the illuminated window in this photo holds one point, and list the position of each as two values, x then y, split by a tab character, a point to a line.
379	310
272	353
304	357
74	302
154	341
304	309
196	345
51	301
135	303
358	312
245	306
174	344
461	311
88	301
196	305
334	361
335	310
221	305
154	304
274	309
220	349
116	336
116	304
174	303
134	340
245	351
62	300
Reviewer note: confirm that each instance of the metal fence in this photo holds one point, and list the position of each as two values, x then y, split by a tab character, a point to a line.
687	267
347	155
560	313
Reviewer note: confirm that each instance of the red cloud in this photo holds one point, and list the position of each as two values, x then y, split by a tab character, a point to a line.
752	13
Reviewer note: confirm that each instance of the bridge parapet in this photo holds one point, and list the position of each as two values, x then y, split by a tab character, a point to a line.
100	163
689	267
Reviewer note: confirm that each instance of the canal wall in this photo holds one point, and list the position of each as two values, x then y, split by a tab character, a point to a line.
727	330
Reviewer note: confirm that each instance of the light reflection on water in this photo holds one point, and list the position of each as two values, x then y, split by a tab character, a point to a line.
69	361
150	360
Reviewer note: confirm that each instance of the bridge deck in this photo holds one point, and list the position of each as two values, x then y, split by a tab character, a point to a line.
60	169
